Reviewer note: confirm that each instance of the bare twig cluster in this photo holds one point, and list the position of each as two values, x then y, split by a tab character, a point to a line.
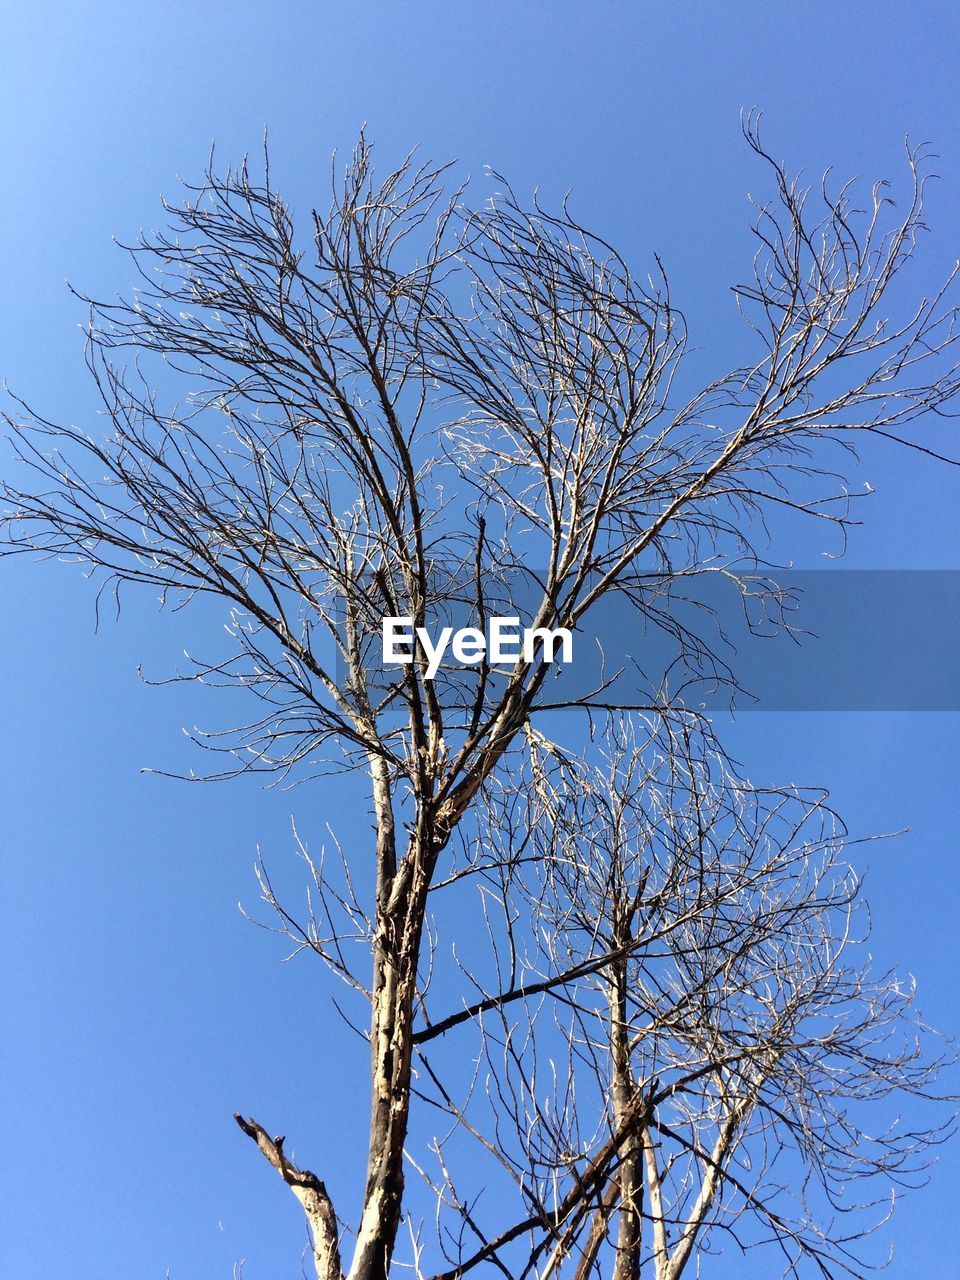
411	406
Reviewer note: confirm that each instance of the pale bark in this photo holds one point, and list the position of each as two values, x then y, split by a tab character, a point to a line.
655	1196
311	1193
629	1174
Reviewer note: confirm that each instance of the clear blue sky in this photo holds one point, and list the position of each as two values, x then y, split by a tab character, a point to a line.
139	1011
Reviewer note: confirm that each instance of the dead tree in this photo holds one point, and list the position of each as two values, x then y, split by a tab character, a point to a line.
719	1046
407	404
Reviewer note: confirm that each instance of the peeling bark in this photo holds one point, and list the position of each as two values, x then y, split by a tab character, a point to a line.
401	907
311	1193
629	1177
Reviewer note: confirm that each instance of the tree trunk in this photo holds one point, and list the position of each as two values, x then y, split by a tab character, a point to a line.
630	1174
396	959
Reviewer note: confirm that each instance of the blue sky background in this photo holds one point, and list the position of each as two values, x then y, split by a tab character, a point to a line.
139	1010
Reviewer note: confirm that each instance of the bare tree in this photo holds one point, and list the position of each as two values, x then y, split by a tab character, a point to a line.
411	406
722	1043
